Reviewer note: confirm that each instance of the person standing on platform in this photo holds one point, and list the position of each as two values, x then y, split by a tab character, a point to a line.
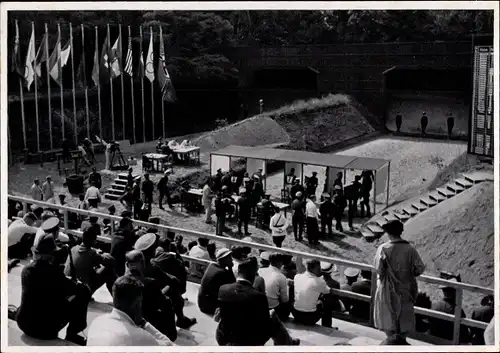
244	211
147	190
206	200
36	191
339	204
338	181
312	184
95	178
366	187
93	195
295	188
136	196
352	194
399	121
312	221
278	225
221	208
327	212
164	190
298	216
424	120
450	123
48	190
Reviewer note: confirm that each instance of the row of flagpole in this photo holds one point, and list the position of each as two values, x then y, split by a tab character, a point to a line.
110	60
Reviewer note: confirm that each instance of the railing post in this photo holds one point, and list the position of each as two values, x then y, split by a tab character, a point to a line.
458	316
372	295
66	220
111	227
25	208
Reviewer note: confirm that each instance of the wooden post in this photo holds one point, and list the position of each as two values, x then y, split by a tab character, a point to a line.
48	86
66	220
374	194
388	178
121	80
75	121
458	316
37	118
59	69
372	294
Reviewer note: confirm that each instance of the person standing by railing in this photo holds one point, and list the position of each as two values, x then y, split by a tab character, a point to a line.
36	190
397	264
48	190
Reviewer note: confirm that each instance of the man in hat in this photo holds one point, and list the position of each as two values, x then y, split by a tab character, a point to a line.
352	193
48	190
312	221
244	211
361	309
443	328
157	308
125	325
245	319
221	209
216	275
485	314
327	211
314	299
164	190
351	276
312	184
276	287
367	179
147	190
264	259
217	184
95	178
121	243
50	225
257	191
298	216
89	265
49	299
226	180
36	191
295	188
170	285
339	203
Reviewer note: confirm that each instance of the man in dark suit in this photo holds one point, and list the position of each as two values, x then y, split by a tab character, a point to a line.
121	243
360	309
245	319
215	276
244	211
484	313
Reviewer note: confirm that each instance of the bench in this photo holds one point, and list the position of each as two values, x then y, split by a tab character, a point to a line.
18	338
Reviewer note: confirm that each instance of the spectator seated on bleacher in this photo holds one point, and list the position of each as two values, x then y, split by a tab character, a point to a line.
50	300
122	242
483	313
216	275
93	224
156	307
199	251
264	259
125	325
240	254
170	285
351	276
89	265
313	298
245	319
211	248
361	309
21	235
181	249
168	260
422	321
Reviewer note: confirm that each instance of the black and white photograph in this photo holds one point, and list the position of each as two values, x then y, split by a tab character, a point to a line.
277	174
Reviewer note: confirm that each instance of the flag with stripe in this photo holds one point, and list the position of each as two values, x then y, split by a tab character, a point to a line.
59	56
29	69
167	88
150	69
16	58
104	69
41	55
95	69
128	59
81	76
115	56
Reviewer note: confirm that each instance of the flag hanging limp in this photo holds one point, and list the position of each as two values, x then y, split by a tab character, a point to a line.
150	70
167	88
29	74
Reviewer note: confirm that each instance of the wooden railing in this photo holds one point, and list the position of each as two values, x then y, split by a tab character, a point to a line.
460	287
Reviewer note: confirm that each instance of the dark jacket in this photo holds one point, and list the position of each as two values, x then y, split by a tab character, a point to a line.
214	278
327	210
172	265
298	208
96	179
163	184
148	187
443	328
221	207
44	307
295	189
340	203
484	314
244	208
244	316
121	244
360	309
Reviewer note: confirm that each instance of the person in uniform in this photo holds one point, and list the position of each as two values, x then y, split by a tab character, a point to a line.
352	194
95	178
351	276
147	190
244	211
164	190
339	203
298	216
366	188
327	211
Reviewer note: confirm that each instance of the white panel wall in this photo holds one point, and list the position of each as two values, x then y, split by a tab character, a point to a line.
219	162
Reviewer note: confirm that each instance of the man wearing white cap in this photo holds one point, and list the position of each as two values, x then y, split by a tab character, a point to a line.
215	276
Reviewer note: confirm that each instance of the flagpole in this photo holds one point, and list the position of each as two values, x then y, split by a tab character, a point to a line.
59	69
21	93
36	98
162	101
99	84
75	122
142	93
132	91
48	85
111	86
152	99
121	80
86	89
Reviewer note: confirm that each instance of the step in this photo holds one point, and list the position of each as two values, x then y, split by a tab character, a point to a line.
428	201
367	234
419	206
403	217
111	196
477	177
381	221
125	176
445	192
464	183
364	341
115	191
454	187
375	228
391	217
118	186
121	182
410	211
436	196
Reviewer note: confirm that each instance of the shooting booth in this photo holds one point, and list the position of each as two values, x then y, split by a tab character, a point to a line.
277	163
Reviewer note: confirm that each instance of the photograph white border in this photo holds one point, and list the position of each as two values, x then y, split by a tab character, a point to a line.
210	6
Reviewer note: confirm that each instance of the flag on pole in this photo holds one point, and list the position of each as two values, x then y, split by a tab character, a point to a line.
116	54
82	73
41	55
167	88
150	70
29	73
128	59
140	69
105	61
55	68
95	69
16	59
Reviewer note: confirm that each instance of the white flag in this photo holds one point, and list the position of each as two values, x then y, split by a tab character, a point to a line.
116	53
29	73
150	69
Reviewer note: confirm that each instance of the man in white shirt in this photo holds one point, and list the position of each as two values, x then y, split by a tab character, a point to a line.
21	234
206	201
48	190
313	297
278	226
312	221
36	191
276	287
200	252
93	195
124	325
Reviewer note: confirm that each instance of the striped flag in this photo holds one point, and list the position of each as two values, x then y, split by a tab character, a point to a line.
150	69
128	59
63	56
29	73
41	55
167	88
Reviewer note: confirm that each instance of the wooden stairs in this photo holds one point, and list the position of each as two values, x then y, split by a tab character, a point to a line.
117	189
373	228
